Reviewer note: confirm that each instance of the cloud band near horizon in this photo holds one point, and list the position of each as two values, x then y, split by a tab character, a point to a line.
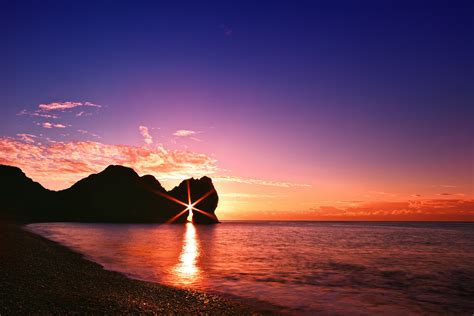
68	162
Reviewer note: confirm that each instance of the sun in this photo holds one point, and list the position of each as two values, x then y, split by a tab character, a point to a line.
190	206
190	209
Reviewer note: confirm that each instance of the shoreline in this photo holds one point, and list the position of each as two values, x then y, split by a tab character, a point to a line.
38	275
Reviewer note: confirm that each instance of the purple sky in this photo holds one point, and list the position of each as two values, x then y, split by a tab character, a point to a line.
343	99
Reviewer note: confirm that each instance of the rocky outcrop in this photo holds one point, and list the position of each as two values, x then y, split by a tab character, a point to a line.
203	198
116	195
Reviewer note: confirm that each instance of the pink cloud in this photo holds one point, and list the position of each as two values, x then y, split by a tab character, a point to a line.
28	138
260	182
67	162
37	114
53	125
61	106
184	133
146	135
84	132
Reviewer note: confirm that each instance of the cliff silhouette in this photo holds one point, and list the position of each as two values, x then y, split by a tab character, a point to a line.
115	195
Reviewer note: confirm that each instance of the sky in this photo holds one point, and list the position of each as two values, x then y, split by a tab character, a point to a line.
298	110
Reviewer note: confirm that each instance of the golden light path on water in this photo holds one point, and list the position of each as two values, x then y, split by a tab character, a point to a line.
187	271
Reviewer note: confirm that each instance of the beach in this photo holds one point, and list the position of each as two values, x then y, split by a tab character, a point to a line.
40	276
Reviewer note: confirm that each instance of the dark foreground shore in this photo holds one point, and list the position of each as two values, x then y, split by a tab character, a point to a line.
39	276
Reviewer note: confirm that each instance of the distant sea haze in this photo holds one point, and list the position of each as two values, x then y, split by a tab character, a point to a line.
297	267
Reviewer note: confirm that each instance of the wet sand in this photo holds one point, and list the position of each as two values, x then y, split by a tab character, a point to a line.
40	276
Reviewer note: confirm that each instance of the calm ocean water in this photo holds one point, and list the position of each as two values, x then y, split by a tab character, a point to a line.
301	267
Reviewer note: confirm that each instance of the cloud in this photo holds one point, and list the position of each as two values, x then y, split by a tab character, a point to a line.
259	182
146	136
247	195
379	192
37	114
61	106
409	209
184	133
46	111
67	162
84	132
450	194
350	202
382	193
444	186
83	113
28	138
53	125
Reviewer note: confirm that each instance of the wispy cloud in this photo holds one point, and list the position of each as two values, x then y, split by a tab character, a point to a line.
146	135
28	138
37	114
418	207
382	193
246	195
61	106
83	113
450	194
184	133
450	186
67	162
259	182
51	110
84	132
53	125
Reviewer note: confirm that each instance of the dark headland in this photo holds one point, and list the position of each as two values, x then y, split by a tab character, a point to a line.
41	277
115	195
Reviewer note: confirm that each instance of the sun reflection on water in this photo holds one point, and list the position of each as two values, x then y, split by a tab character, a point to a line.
187	271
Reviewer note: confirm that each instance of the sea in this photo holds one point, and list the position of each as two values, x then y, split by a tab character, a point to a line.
300	268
